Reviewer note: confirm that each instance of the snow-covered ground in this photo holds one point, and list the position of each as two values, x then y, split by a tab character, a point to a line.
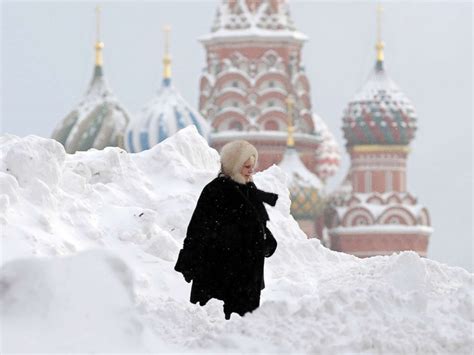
89	242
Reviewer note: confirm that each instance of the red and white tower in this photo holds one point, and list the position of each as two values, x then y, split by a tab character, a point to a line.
253	65
373	213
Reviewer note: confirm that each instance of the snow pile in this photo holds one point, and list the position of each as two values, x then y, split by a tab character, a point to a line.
81	303
136	208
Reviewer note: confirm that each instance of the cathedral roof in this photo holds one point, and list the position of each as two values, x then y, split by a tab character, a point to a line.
98	120
304	186
253	18
379	113
161	117
164	115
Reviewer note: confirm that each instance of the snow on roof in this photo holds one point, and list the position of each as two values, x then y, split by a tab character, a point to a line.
377	82
98	121
297	172
264	135
242	21
162	117
377	210
252	34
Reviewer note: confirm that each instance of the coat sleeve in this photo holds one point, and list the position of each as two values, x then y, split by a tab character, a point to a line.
268	197
201	230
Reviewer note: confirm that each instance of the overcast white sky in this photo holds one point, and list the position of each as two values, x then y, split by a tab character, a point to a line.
47	62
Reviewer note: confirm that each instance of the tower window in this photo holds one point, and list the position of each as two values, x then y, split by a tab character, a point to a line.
394	220
235	84
235	126
271	125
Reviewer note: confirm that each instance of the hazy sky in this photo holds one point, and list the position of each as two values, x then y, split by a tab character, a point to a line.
47	61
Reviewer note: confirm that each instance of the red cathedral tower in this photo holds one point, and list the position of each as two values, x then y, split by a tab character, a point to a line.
373	213
253	64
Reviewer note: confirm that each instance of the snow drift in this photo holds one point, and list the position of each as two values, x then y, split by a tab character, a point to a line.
133	209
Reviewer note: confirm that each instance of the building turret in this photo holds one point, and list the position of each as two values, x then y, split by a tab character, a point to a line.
377	215
99	120
164	114
253	64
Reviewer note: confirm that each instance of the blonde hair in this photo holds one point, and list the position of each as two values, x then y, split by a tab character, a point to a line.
233	156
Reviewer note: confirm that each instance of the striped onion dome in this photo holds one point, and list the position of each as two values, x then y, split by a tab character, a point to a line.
162	117
305	187
98	121
380	113
328	153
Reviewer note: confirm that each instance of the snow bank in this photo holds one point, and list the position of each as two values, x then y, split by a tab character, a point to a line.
83	303
137	207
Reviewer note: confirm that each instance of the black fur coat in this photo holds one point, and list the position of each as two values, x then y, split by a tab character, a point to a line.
224	249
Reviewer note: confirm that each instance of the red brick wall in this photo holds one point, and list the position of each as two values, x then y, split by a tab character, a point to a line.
390	242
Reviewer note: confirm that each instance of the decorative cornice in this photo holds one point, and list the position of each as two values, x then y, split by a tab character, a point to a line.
372	148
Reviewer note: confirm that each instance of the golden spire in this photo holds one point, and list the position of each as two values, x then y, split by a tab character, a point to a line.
379	45
98	44
167	57
290	141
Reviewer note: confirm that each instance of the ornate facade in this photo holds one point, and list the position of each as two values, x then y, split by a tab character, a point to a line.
253	65
373	213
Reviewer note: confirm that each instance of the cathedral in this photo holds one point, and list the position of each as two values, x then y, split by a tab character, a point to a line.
254	87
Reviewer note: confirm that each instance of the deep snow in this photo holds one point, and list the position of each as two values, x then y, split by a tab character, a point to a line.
89	243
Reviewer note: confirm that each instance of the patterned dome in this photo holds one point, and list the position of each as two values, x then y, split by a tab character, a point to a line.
162	117
305	187
328	154
97	122
380	113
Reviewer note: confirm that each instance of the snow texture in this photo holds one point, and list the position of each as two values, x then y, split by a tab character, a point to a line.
89	242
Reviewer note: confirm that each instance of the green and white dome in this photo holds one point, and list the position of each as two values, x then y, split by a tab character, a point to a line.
98	121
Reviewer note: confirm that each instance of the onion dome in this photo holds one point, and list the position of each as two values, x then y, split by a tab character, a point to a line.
380	113
328	154
163	115
305	187
99	120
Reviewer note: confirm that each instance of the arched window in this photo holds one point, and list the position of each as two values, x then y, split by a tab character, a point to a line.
271	125
360	221
235	126
394	220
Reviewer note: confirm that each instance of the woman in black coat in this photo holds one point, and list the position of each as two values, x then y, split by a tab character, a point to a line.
227	239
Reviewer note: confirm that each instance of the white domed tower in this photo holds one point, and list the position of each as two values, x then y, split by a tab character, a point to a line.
99	120
328	153
253	64
164	114
377	215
